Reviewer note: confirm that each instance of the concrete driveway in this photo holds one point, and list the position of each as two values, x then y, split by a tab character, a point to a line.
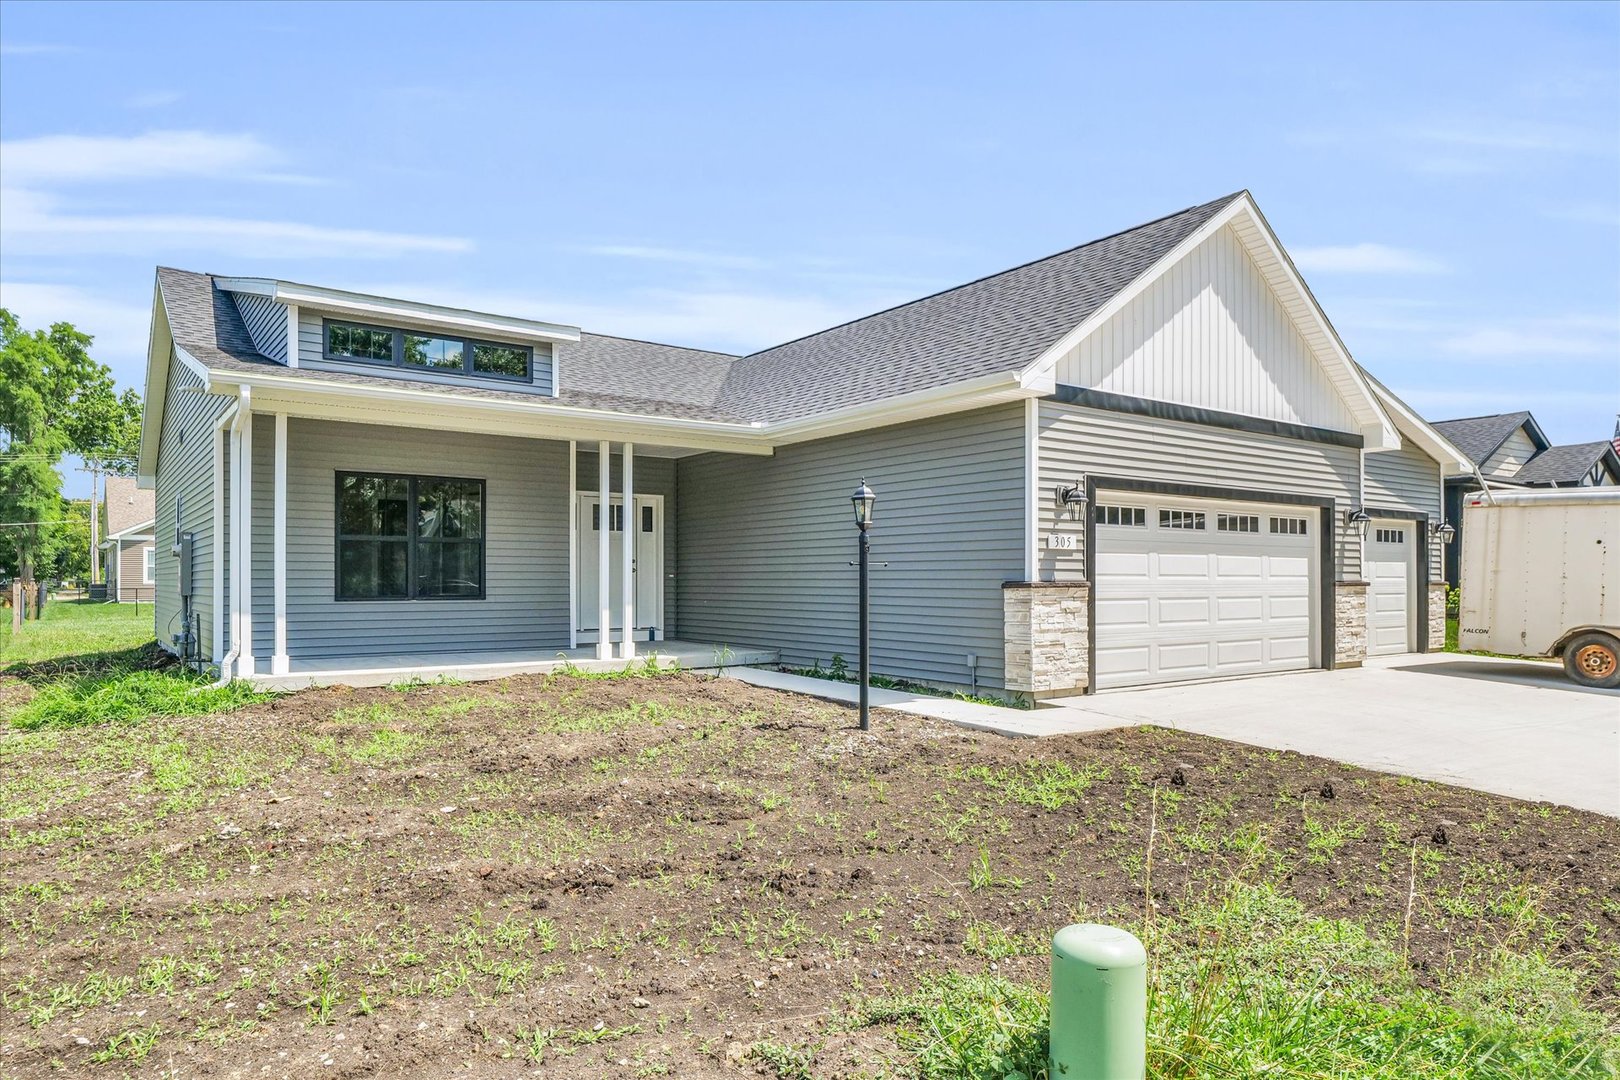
1512	727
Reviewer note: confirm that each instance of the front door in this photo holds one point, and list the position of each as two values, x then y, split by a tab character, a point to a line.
647	564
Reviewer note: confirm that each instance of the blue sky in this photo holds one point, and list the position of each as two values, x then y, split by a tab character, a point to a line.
1447	177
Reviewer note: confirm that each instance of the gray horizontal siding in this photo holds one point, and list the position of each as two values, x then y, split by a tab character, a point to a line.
1076	442
266	323
765	545
525	548
312	346
653	476
1407	479
185	475
132	584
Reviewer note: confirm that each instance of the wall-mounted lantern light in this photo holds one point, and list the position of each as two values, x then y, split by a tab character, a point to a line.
1358	517
1072	495
1444	532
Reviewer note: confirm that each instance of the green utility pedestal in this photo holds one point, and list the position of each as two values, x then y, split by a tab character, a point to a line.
1099	1004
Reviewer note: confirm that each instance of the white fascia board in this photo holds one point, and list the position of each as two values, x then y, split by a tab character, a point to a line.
301	396
158	344
141	530
986	390
1414	427
1376	429
384	308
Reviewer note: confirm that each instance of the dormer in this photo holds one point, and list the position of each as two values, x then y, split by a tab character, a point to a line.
307	326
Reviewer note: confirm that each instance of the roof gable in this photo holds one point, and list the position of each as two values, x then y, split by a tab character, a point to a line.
1000	323
1566	464
1482	436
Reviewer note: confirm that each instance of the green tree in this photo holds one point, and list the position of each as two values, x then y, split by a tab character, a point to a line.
54	399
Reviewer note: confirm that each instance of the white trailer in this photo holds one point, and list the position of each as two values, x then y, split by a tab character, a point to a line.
1541	577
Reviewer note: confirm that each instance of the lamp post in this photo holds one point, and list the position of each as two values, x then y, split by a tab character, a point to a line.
862	500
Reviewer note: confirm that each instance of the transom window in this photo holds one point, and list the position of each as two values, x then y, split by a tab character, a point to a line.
409	537
1390	536
1238	523
1134	516
1289	526
1181	519
426	352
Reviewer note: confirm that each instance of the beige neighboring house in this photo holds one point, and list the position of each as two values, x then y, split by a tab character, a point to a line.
127	553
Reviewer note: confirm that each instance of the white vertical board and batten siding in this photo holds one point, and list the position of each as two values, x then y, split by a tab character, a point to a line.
312	348
765	545
525	546
266	322
1408	479
1076	442
185	472
1210	333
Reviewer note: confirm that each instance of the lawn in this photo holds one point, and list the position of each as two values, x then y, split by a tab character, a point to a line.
73	628
682	876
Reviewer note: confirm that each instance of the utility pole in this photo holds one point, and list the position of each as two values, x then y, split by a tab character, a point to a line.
94	469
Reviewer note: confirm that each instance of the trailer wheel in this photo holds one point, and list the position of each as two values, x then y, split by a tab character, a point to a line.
1593	659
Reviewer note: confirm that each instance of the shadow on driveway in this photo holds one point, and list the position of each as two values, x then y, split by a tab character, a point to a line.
1543	675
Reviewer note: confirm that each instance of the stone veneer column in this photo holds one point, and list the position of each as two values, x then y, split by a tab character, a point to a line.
1349	623
1437	617
1047	626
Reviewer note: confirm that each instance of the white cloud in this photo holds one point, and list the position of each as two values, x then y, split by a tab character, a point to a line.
35	48
48	159
119	326
1366	258
1533	341
674	255
32	223
153	99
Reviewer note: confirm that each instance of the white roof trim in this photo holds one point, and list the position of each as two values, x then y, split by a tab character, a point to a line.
139	531
1272	261
1452	461
363	305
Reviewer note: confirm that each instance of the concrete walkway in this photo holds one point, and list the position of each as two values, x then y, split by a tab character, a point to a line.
1513	727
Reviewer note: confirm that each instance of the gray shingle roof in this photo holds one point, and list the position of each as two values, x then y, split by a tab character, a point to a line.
1562	464
1000	323
1480	436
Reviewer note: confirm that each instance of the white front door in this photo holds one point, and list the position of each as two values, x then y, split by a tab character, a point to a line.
1196	589
647	567
1390	569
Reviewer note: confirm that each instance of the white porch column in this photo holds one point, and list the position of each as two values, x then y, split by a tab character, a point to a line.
604	585
278	659
244	660
628	538
573	544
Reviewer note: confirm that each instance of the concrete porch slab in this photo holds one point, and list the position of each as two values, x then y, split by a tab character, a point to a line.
485	664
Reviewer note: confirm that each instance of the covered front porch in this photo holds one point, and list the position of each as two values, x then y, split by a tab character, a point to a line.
479	665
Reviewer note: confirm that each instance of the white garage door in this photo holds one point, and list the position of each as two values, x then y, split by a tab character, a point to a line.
1389	568
1197	589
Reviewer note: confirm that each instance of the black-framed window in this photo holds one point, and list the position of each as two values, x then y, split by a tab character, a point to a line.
409	537
448	354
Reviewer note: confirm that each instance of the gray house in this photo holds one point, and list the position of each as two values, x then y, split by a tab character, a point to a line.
1145	459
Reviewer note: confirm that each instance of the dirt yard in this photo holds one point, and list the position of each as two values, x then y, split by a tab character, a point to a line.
646	877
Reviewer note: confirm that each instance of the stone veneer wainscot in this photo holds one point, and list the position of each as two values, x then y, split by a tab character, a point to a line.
1048	637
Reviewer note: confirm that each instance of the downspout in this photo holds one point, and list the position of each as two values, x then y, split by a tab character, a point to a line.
238	413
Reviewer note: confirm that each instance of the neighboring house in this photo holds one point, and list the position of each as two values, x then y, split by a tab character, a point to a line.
1510	450
127	556
1142	460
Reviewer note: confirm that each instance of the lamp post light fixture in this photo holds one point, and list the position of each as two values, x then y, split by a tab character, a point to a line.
1444	532
863	500
1359	518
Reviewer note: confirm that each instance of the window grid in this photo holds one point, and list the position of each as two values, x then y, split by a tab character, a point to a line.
1128	516
1181	519
398	525
361	344
1390	536
1288	526
1238	523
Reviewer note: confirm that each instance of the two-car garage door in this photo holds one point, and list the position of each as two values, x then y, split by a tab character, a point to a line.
1199	589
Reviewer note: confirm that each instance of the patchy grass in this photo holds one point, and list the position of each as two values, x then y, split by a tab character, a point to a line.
668	875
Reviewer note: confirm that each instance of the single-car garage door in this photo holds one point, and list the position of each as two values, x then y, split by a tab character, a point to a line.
1389	565
1198	589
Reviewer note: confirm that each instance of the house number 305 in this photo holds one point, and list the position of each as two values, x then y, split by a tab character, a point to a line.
1060	541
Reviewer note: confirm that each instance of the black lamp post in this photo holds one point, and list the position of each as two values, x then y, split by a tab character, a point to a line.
862	500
